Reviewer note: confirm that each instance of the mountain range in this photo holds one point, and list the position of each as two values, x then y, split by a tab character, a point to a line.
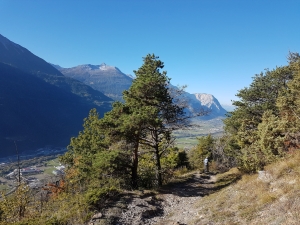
112	82
45	104
107	79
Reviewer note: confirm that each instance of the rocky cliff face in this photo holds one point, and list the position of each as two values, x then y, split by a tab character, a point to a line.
209	102
204	102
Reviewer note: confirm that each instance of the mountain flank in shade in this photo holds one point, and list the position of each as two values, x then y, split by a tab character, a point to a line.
38	105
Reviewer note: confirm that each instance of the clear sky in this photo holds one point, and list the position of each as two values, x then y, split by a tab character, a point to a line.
212	46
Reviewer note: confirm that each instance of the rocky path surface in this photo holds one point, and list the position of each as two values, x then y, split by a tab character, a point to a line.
175	204
181	202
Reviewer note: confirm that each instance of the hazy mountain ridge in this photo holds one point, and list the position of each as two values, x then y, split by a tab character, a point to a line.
35	113
107	79
201	102
19	57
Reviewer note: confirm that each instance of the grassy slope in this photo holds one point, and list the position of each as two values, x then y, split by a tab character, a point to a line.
272	200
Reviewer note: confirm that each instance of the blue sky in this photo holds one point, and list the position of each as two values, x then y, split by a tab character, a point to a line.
212	46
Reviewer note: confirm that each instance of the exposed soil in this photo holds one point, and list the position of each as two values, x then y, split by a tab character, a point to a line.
177	203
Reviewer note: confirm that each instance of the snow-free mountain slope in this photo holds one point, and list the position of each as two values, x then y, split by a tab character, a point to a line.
21	58
107	79
38	105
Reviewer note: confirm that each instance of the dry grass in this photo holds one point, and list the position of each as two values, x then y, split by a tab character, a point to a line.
180	171
228	177
251	200
180	176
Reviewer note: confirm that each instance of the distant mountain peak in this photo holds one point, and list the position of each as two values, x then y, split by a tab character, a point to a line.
103	66
205	99
107	79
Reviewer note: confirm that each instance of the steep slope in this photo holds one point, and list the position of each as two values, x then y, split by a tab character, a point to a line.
35	113
203	102
206	102
38	104
107	79
268	197
19	57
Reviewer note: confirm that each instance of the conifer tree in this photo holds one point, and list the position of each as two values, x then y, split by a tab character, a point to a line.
259	125
152	109
144	122
122	125
82	149
203	149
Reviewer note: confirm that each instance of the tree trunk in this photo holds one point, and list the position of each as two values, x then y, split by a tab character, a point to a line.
134	172
158	167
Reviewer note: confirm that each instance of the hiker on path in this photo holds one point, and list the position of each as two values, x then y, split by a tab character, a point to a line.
206	169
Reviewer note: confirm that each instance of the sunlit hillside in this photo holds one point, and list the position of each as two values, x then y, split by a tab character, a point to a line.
270	197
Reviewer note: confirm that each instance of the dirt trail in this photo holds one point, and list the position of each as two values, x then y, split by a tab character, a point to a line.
175	204
181	202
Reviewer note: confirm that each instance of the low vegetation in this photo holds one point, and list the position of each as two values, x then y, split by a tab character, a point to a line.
271	197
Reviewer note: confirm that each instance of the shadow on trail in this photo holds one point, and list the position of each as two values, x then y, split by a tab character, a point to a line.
135	208
197	185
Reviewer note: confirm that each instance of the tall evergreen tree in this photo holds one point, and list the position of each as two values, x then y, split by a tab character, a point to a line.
121	124
152	108
144	122
289	104
82	149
